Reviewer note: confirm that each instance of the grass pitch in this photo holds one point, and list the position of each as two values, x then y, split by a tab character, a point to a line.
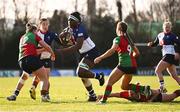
69	95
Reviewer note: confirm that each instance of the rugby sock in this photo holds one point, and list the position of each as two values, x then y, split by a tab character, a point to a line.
43	92
16	92
161	83
107	92
34	84
137	88
91	91
125	94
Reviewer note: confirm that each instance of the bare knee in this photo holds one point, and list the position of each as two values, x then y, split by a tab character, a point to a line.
24	76
157	71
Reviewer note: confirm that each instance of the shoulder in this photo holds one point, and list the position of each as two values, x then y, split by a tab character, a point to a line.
52	34
81	27
173	35
116	40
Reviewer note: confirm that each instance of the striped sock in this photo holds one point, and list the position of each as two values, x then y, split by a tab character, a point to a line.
107	92
161	83
16	92
137	88
92	93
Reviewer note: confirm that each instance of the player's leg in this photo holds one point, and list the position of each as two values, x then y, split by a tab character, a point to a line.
126	94
162	65
125	84
48	71
34	85
84	72
172	71
115	75
170	97
47	65
88	85
19	86
41	73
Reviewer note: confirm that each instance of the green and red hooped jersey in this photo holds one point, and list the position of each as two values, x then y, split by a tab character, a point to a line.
124	50
28	44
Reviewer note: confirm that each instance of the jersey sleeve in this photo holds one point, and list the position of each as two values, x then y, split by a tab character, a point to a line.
155	42
81	32
54	35
116	40
37	38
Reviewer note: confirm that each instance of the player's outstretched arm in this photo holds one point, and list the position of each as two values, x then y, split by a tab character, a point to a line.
154	43
48	48
40	50
108	53
136	52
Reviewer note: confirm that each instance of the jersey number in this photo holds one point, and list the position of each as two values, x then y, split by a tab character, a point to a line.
129	49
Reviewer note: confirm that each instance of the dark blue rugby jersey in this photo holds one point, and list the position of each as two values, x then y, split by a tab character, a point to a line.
48	37
167	41
80	32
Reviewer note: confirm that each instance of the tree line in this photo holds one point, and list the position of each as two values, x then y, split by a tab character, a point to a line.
143	27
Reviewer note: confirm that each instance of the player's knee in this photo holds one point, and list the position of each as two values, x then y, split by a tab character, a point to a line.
25	77
157	71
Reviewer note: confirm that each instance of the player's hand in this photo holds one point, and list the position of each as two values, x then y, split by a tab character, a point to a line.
53	57
97	60
135	54
40	50
149	44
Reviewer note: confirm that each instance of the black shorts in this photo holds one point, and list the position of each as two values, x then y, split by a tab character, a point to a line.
169	58
158	98
177	49
46	63
91	55
30	64
128	70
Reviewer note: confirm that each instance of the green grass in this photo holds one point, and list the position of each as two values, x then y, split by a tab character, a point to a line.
68	94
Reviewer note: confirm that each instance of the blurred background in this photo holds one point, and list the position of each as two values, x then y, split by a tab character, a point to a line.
144	17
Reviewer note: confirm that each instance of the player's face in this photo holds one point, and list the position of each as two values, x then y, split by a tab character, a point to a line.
44	25
167	28
72	23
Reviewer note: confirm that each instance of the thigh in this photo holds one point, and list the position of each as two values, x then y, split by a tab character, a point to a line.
172	70
41	73
115	75
162	65
168	97
87	62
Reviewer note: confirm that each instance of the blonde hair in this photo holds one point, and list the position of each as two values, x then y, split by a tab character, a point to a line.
167	23
42	20
30	27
